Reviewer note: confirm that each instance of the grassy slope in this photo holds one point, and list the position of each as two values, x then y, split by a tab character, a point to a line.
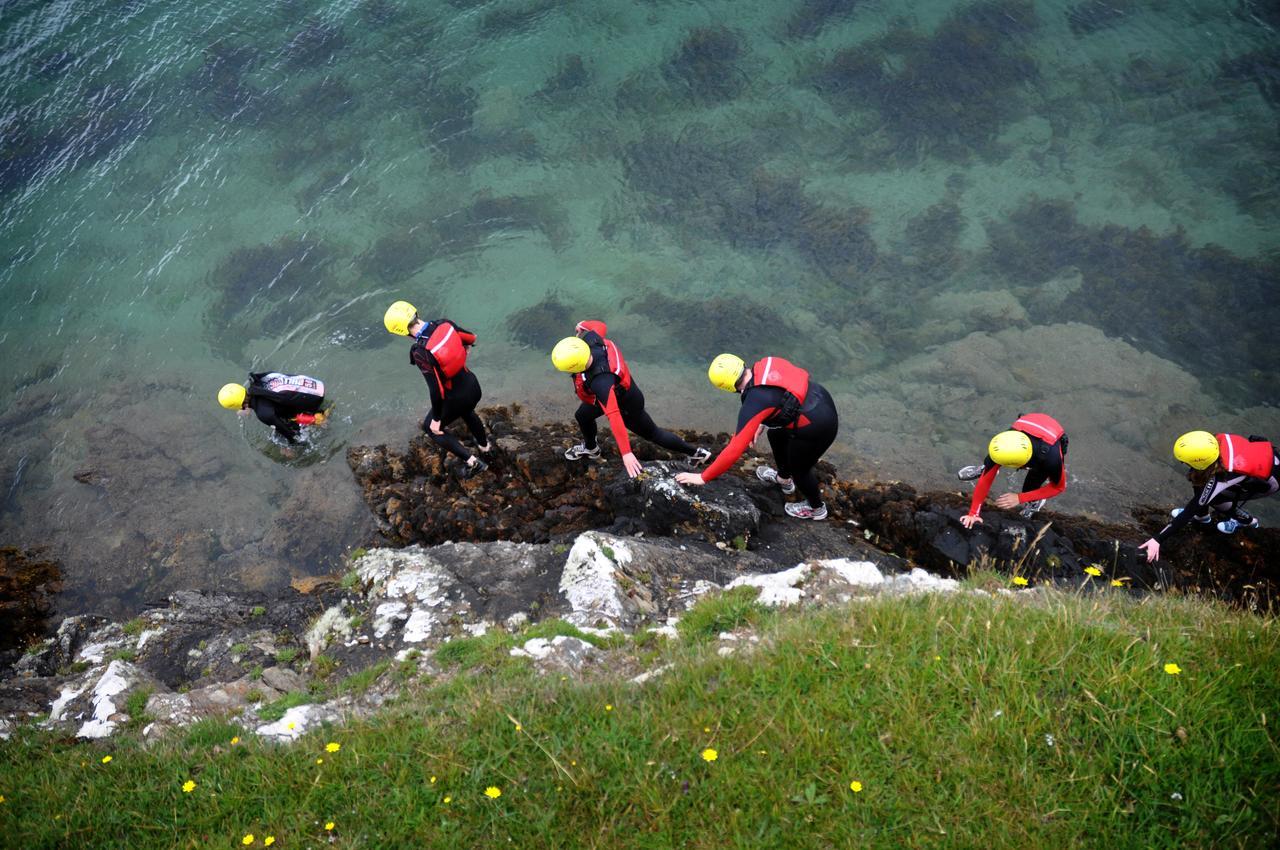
943	708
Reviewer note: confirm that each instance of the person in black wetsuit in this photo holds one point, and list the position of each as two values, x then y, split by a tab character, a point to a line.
440	351
1226	470
284	402
605	386
799	416
1035	442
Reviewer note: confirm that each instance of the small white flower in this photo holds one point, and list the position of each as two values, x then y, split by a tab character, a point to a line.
1049	740
999	713
1177	796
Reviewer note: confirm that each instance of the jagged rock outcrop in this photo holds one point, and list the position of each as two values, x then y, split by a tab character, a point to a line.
29	585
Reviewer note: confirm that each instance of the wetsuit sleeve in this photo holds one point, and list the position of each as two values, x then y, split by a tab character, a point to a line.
983	487
604	386
750	417
467	337
268	415
1195	507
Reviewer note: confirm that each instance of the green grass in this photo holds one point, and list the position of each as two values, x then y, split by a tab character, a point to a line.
274	711
723	612
969	721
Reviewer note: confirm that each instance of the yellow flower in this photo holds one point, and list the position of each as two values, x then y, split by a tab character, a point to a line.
290	725
1020	581
1119	582
433	780
188	786
332	747
269	840
1	798
328	827
608	707
855	786
448	800
106	759
1172	669
235	740
937	658
519	727
493	792
247	840
319	761
1093	571
709	754
706	728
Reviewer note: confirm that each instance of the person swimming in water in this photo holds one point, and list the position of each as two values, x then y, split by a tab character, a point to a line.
283	402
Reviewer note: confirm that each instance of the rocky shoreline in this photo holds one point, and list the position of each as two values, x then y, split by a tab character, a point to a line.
575	552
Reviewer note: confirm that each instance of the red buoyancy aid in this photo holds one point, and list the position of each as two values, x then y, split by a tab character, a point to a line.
615	364
1039	425
592	325
446	347
1238	454
776	372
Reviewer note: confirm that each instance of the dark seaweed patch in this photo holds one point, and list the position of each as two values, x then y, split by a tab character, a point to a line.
380	13
51	65
716	191
542	325
1205	308
315	46
220	84
811	16
1095	15
488	215
399	255
267	273
933	239
298	152
323	99
1143	77
504	22
705	327
569	77
953	92
24	154
1261	68
705	66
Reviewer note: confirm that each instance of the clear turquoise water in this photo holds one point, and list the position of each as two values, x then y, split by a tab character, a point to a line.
950	212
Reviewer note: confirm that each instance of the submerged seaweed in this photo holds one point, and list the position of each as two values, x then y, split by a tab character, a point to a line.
399	255
952	93
705	67
1094	15
1260	67
488	215
811	16
271	273
316	45
1205	308
569	77
501	23
541	325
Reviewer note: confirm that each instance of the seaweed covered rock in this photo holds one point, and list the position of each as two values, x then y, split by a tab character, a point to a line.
29	585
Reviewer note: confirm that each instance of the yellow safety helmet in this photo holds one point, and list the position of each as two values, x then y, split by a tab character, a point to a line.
231	396
725	371
570	355
1010	448
399	316
1197	449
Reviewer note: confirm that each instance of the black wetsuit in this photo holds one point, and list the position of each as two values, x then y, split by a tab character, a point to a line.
625	408
797	447
280	408
451	399
1224	493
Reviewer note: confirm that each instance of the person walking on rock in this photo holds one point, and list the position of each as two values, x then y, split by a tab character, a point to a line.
605	386
440	351
284	402
1226	470
799	416
1037	443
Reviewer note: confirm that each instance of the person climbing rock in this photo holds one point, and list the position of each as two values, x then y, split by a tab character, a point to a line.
606	387
440	350
1226	470
1036	443
284	402
797	413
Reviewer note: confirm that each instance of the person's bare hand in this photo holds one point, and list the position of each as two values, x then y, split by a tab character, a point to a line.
1152	549
759	433
1007	500
970	520
632	464
693	478
435	427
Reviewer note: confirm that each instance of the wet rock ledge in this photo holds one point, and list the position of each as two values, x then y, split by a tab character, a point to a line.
552	561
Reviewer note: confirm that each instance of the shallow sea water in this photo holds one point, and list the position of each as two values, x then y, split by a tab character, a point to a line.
950	212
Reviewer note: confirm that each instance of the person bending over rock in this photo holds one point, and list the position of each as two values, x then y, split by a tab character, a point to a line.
605	386
799	416
284	402
1226	470
1036	443
440	351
